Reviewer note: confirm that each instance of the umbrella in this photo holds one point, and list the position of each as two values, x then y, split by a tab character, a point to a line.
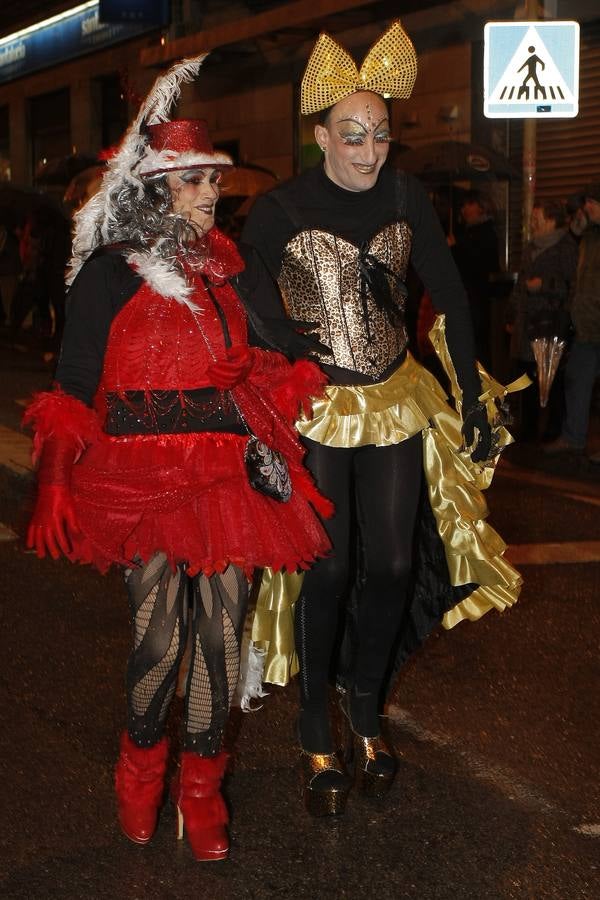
240	185
246	181
447	161
547	352
83	186
61	169
17	202
444	162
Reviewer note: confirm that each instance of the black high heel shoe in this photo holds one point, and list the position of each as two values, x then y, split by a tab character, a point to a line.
373	760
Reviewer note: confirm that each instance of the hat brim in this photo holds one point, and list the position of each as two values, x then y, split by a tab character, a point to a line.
160	163
205	165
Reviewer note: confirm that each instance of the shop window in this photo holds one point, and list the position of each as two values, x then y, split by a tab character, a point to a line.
114	113
4	144
50	123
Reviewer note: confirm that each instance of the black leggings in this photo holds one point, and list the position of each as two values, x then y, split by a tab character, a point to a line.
379	489
159	603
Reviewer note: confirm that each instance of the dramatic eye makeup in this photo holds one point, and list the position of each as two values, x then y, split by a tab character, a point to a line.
381	131
352	137
353	132
198	176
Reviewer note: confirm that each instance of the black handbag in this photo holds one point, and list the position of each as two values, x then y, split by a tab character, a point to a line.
267	470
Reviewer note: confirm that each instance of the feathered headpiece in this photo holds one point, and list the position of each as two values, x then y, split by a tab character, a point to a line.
152	145
389	69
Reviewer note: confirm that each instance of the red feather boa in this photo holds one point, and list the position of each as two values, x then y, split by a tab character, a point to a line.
303	381
57	414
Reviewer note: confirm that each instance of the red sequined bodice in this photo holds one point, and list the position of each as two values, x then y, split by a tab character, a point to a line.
157	343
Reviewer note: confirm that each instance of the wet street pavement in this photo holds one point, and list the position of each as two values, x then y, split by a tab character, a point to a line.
495	724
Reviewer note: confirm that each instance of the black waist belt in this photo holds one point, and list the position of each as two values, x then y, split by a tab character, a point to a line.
172	412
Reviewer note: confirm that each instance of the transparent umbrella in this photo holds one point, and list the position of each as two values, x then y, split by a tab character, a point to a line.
444	162
547	352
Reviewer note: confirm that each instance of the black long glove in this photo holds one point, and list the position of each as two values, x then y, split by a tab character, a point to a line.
293	337
269	326
476	430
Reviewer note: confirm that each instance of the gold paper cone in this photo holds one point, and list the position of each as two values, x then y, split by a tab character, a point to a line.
547	352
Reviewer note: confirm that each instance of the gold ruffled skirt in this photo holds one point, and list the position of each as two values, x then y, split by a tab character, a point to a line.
408	402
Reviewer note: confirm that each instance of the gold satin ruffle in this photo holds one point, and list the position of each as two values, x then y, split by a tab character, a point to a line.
411	400
273	625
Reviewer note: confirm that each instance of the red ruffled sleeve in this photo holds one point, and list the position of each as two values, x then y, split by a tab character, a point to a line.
57	414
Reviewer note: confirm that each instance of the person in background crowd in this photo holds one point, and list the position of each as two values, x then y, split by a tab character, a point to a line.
576	216
538	307
10	262
337	240
44	250
475	251
143	444
583	365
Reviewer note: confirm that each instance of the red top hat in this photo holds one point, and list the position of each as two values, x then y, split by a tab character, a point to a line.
180	144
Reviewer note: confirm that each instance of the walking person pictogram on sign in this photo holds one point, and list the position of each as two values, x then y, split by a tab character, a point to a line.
531	63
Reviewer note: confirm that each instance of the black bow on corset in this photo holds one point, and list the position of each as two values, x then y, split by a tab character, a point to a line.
382	284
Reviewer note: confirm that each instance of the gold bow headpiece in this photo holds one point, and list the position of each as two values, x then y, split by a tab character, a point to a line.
389	69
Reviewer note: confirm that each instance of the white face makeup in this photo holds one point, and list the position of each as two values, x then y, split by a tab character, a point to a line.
355	140
195	193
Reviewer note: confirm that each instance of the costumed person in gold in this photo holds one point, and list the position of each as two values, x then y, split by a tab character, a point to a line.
338	240
160	415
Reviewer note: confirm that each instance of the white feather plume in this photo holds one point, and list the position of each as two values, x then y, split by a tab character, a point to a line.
249	687
166	90
93	221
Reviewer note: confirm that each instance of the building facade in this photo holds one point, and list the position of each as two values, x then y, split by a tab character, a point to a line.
79	100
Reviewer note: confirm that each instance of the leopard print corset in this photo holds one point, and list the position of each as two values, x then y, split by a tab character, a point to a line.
320	282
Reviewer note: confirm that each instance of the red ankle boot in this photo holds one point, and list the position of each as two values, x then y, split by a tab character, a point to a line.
200	806
139	778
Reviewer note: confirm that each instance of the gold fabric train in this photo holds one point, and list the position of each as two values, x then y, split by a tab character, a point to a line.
389	69
411	400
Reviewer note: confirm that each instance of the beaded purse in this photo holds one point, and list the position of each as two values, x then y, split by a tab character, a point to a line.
267	470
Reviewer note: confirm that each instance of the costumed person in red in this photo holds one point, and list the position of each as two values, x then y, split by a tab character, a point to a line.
160	413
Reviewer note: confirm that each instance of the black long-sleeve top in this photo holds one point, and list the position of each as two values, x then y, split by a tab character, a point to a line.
101	289
356	216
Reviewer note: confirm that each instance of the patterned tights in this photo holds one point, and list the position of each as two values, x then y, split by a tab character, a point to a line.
162	616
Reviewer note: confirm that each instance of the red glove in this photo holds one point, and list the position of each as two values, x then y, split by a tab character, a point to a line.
226	373
52	522
53	518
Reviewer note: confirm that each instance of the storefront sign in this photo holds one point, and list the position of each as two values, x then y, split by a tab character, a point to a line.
62	37
531	70
148	12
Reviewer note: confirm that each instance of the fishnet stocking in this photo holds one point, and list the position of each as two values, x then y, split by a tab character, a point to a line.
199	700
219	610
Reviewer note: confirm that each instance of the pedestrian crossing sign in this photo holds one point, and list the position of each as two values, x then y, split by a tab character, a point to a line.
531	70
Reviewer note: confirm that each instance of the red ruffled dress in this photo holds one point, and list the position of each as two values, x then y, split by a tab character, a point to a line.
187	494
